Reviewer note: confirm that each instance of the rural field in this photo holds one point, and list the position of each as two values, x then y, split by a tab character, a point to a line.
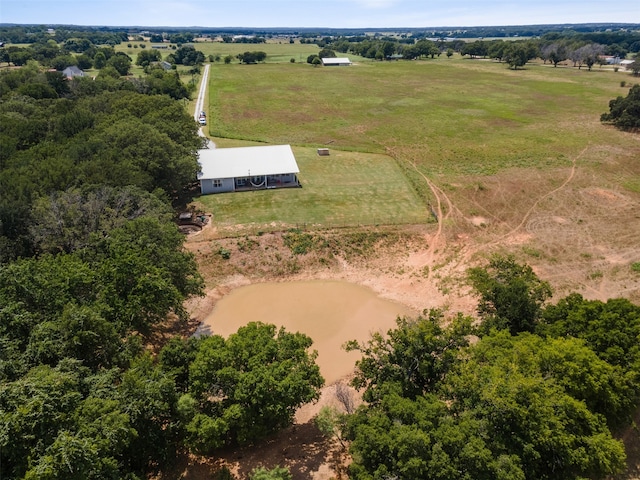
505	159
435	164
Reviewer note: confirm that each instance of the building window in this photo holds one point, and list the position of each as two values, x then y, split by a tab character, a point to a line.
217	183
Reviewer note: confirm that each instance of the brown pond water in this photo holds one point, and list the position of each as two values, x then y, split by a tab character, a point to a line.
330	312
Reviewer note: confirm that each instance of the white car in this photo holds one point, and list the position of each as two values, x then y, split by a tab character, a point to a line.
202	121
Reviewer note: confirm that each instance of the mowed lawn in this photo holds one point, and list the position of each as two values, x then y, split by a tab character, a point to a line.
343	189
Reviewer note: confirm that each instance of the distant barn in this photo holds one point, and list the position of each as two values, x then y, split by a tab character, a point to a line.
336	62
247	168
72	72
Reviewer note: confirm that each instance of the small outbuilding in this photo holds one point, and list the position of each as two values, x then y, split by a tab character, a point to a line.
73	71
247	168
336	62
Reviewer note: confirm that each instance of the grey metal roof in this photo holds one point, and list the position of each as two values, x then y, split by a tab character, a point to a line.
246	161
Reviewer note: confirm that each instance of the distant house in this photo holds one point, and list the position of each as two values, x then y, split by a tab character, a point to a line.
336	62
610	59
627	64
247	168
73	71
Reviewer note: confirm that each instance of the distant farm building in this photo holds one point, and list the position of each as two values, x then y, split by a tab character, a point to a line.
247	168
627	64
72	72
336	62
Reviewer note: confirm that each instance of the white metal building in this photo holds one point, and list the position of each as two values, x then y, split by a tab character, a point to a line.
339	62
247	168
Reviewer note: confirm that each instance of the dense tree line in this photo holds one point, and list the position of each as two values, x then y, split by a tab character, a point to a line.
92	264
529	399
580	48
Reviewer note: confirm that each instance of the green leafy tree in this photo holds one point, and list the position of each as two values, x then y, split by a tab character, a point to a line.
148	396
611	329
175	358
121	62
145	57
517	54
530	410
624	112
511	295
100	60
33	410
276	473
144	274
249	385
326	53
331	423
412	358
508	408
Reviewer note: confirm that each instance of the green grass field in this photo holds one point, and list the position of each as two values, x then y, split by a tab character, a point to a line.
454	120
457	116
343	189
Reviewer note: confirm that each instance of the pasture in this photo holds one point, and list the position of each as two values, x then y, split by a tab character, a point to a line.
489	136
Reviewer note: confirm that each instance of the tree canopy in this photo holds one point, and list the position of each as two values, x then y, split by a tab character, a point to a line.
624	112
508	407
248	386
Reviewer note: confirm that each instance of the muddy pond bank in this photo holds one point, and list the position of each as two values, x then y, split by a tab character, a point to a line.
330	312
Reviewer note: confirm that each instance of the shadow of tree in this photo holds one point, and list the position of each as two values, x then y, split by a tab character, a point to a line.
301	448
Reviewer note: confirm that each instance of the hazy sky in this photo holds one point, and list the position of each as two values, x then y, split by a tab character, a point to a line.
317	13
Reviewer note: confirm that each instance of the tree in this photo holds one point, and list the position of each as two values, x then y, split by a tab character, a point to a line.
529	410
624	112
100	60
611	329
148	396
475	49
70	220
248	386
144	274
276	473
413	358
121	62
326	53
588	54
33	410
188	55
635	66
498	49
146	57
517	54
331	423
507	408
511	295
555	53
